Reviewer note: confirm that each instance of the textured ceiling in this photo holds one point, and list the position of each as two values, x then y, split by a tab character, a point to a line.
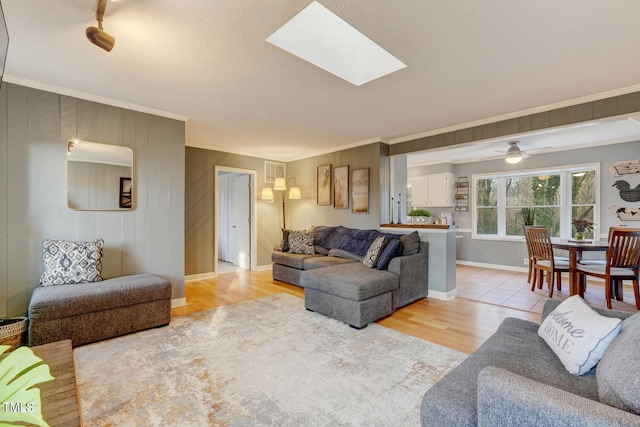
208	61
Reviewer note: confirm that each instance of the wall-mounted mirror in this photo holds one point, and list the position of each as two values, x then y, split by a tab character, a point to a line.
99	176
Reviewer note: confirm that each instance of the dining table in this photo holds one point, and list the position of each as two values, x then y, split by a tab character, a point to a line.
576	248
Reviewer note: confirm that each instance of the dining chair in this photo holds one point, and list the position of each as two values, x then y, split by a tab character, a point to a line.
529	253
532	271
623	257
544	261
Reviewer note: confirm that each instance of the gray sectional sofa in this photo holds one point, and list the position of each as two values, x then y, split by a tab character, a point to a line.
89	312
337	284
515	379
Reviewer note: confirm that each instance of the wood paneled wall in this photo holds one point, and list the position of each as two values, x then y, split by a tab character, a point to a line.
200	208
34	128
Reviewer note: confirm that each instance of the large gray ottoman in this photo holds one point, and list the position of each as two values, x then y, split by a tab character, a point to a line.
89	312
352	293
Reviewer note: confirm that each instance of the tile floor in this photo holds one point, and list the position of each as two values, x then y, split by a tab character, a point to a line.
510	289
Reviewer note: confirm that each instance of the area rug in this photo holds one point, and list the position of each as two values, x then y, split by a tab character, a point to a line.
264	362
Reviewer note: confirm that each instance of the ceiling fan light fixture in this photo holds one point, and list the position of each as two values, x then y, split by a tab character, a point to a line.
514	155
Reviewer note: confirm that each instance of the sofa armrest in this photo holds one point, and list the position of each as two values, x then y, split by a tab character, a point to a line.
412	272
505	398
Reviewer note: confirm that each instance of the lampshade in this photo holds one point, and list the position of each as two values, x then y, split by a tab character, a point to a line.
280	184
267	193
294	193
514	155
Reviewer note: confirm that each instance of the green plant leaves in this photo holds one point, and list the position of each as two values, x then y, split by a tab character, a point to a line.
19	372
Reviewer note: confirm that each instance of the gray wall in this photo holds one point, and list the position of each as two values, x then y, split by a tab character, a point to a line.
304	213
34	128
513	253
301	214
200	207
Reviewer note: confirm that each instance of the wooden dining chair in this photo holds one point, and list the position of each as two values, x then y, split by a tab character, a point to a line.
623	258
544	261
529	253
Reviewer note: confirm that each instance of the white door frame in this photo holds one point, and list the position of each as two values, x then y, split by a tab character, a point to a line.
252	213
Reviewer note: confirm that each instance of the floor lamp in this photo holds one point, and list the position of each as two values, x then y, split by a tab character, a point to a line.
280	184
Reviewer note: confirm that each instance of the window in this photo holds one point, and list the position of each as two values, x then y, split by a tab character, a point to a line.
504	203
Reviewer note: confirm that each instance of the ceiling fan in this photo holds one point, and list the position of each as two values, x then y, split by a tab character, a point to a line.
515	155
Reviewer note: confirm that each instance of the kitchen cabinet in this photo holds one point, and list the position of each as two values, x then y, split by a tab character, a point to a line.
435	190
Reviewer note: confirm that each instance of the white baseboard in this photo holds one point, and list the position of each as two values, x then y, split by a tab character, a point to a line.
201	276
264	267
178	302
442	296
493	266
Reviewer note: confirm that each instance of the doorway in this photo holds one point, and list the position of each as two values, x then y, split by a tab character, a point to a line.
234	241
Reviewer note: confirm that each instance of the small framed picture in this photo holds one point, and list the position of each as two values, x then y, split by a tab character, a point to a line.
324	185
341	187
360	190
125	193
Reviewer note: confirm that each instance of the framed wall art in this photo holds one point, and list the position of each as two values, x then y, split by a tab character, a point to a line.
341	187
324	185
360	190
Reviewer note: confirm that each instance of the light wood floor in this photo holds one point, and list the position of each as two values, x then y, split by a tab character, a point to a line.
460	324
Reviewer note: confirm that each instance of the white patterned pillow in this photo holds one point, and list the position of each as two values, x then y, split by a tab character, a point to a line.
376	248
578	335
67	262
301	242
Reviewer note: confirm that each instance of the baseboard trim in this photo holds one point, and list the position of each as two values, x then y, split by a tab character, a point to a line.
178	302
442	296
493	266
201	276
264	267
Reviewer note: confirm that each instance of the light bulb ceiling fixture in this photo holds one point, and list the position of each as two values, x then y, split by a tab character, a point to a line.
97	36
514	155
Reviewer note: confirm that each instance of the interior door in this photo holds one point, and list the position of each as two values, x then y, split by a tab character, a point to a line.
240	223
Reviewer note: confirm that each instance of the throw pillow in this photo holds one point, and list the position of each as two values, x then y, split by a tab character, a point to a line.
392	250
376	248
578	335
285	240
410	243
618	374
67	262
301	242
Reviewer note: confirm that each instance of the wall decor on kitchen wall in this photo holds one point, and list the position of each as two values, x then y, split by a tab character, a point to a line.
628	191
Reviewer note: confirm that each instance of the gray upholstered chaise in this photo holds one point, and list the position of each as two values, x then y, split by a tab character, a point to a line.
358	295
88	312
340	286
515	379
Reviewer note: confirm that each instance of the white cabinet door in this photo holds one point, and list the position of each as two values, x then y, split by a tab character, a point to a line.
419	191
432	190
439	189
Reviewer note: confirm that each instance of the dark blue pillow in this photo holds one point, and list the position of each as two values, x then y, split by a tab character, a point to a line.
392	250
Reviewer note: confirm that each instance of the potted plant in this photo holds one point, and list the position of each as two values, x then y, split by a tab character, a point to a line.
418	215
528	215
581	225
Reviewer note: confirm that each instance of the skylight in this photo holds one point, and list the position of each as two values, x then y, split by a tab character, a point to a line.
322	38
